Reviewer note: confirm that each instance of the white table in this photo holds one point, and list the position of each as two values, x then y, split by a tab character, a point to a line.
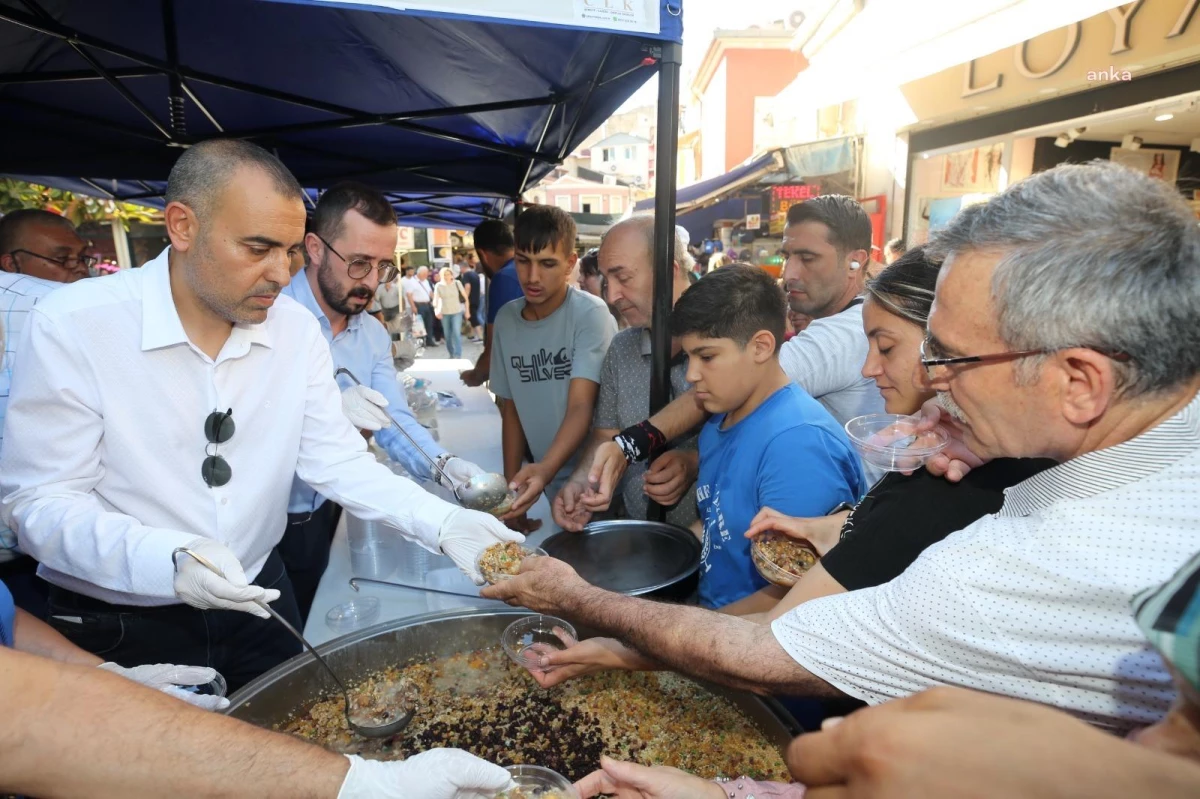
471	432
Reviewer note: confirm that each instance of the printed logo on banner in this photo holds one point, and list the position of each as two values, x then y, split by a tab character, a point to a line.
617	14
543	365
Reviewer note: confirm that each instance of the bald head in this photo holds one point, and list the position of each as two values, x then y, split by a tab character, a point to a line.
626	260
43	245
203	171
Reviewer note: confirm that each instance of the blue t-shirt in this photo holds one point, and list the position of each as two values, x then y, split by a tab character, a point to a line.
8	616
790	455
503	289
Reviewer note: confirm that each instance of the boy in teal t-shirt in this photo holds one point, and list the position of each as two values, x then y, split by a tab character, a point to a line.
768	443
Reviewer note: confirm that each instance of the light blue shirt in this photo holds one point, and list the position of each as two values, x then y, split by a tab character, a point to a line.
365	348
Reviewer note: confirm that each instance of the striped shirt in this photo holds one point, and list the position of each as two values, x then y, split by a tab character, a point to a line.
1034	601
18	294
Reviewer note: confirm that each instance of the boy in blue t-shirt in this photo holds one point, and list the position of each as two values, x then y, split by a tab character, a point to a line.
768	443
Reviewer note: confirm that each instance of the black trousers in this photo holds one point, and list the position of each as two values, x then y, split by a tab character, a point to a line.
426	312
305	551
238	645
28	590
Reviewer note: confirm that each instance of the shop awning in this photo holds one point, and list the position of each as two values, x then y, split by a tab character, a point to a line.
437	103
701	205
708	191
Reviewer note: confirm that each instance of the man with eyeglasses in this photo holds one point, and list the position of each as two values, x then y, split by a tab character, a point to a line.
1064	326
39	251
166	410
350	249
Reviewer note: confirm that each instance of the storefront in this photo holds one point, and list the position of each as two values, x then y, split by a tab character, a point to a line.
1121	86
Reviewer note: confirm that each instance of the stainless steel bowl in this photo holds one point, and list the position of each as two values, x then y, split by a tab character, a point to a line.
293	686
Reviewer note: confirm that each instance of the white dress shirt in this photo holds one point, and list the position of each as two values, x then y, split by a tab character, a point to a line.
100	470
18	294
1033	602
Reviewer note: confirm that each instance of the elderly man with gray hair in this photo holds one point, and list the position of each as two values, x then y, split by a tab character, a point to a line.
626	261
1064	327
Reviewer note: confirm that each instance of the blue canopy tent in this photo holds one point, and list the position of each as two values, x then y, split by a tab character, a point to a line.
453	107
455	114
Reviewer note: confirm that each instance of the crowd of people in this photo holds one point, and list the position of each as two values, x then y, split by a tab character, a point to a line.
1019	616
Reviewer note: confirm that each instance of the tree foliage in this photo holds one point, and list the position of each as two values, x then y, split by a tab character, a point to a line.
78	208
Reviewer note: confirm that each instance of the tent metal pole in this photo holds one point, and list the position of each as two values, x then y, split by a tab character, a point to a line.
667	138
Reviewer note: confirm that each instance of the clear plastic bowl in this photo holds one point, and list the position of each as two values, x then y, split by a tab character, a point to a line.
772	571
495	577
535	782
353	615
529	637
885	441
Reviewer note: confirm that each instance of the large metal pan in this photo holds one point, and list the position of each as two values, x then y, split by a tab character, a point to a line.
639	558
293	686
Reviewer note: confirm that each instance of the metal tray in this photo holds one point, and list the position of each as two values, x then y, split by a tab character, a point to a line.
293	686
629	556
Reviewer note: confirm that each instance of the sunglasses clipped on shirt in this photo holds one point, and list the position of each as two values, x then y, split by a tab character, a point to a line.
218	428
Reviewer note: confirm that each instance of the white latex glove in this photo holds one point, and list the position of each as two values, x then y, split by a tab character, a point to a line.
364	407
168	678
459	471
466	533
200	588
436	774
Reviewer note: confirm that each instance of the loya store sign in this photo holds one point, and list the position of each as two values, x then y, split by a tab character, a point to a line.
1121	21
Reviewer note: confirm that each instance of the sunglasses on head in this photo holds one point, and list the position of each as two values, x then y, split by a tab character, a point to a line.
218	428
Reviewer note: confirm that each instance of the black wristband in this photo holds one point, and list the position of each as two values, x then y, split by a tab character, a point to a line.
640	441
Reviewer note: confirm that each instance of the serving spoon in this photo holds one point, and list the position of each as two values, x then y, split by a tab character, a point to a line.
483	492
366	730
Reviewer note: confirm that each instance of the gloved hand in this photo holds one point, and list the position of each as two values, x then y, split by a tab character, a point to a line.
466	533
167	678
196	585
364	407
435	774
459	471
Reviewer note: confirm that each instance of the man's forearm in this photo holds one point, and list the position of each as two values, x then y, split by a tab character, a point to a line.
33	636
711	646
598	437
512	440
483	365
49	745
680	416
570	436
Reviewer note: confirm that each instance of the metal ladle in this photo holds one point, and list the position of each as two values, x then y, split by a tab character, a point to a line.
365	730
484	492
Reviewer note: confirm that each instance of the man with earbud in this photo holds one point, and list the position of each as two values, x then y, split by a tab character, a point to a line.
826	243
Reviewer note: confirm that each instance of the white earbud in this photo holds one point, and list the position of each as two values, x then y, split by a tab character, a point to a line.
854	265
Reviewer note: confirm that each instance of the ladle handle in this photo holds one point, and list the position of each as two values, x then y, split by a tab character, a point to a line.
206	563
411	440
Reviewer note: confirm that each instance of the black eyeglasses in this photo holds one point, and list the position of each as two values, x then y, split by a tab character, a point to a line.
931	364
361	267
86	261
218	428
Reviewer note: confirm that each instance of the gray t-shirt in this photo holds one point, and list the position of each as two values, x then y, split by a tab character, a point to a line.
624	400
534	362
826	360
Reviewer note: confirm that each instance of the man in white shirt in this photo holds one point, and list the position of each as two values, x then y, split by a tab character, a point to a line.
826	243
1045	340
169	407
420	297
39	251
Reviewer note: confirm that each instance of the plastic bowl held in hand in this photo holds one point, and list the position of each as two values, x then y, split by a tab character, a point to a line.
781	560
530	637
502	561
889	441
535	782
